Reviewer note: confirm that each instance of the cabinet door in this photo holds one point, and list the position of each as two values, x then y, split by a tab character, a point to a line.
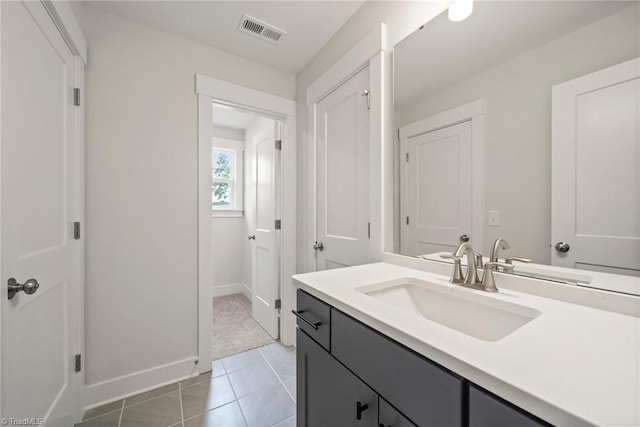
390	417
426	393
327	393
486	410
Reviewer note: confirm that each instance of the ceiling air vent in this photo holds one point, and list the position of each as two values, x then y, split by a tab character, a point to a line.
255	27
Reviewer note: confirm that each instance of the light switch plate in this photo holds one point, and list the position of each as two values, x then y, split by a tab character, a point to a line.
494	218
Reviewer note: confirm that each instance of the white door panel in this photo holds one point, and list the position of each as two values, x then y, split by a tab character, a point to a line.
438	199
596	170
265	269
39	335
342	120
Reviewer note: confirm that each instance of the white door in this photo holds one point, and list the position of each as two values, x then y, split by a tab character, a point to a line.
39	331
438	186
342	123
265	248
596	171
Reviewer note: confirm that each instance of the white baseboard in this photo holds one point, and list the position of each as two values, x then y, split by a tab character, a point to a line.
230	289
246	290
128	385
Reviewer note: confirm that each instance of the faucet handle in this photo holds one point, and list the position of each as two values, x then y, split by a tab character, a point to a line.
456	274
515	258
488	281
507	267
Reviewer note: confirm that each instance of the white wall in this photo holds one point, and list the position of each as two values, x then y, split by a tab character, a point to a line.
228	133
518	124
141	207
228	251
401	19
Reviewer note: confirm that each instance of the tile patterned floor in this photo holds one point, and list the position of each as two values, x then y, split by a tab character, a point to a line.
254	388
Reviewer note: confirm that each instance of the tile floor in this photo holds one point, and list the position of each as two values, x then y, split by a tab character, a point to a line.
254	388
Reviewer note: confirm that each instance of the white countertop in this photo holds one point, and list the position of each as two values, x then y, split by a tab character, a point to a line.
572	365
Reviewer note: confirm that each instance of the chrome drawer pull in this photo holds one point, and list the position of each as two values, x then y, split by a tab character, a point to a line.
305	320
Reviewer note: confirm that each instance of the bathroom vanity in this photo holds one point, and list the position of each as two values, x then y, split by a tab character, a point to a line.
383	344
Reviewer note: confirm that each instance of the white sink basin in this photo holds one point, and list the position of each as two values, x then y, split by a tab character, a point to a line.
470	312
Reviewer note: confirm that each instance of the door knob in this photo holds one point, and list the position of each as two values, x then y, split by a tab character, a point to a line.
29	287
464	238
252	237
562	247
318	246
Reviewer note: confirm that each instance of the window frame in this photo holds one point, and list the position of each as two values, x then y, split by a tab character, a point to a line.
236	182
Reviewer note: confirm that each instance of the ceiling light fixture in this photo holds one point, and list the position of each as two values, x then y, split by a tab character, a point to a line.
460	10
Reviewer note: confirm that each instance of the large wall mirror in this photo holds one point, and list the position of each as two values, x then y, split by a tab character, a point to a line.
522	122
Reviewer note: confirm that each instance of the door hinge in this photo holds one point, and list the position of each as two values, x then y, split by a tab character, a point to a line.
398	134
76	230
278	224
78	362
369	230
368	95
76	96
406	157
407	220
278	303
279	144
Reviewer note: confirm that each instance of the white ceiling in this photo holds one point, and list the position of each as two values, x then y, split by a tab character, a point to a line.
445	52
233	118
309	24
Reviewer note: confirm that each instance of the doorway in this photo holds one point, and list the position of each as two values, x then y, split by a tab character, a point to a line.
245	194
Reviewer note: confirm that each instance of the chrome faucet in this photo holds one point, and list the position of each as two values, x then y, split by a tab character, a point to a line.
471	278
502	244
497	245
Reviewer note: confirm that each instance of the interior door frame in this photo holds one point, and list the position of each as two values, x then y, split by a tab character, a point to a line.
370	52
474	112
209	90
63	18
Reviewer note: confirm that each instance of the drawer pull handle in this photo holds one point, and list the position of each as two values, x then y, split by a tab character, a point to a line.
360	408
305	320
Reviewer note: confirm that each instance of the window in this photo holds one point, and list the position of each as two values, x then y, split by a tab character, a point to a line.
226	178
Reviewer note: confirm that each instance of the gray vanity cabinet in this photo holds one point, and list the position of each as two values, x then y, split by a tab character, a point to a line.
327	393
425	392
486	410
348	374
388	416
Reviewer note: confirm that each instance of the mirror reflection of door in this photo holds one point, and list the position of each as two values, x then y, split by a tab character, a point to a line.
342	123
596	171
438	189
511	54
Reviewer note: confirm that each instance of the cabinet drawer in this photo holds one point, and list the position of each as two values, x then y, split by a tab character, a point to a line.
426	393
314	317
487	410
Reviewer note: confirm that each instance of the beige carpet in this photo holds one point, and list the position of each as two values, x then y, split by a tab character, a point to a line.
234	330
